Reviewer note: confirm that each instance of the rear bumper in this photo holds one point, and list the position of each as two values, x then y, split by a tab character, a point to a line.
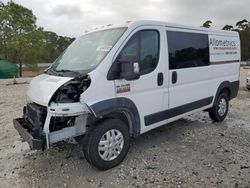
23	129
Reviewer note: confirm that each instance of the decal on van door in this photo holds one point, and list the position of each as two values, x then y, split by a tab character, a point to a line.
223	48
123	88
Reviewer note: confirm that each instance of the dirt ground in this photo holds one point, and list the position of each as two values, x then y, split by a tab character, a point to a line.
191	152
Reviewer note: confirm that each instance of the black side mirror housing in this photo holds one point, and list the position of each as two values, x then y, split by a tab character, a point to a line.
128	70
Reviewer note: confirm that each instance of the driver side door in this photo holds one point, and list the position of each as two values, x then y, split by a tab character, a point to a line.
150	91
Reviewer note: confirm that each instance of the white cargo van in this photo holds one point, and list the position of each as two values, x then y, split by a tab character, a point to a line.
119	82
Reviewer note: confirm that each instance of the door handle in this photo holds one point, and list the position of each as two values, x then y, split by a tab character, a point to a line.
160	78
174	77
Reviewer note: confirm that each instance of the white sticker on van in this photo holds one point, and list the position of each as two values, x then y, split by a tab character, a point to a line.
223	48
103	48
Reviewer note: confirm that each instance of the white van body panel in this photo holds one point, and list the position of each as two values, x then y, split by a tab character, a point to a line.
42	88
221	73
190	80
200	84
105	89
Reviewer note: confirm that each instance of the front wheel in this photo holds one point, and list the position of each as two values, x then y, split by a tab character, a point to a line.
219	111
107	144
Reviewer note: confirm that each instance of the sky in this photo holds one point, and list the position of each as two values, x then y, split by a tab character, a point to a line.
73	17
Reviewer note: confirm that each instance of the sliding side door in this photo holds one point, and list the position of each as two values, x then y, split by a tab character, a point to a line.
188	72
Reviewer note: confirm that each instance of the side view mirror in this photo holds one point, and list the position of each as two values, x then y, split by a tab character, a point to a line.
126	67
129	68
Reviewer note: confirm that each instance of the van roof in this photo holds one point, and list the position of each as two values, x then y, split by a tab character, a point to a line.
134	24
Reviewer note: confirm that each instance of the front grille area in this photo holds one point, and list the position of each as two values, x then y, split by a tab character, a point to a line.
35	116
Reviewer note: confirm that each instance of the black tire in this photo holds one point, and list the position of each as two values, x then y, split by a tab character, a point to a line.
214	111
93	138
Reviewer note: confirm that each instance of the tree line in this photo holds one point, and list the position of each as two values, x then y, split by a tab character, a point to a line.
23	42
243	27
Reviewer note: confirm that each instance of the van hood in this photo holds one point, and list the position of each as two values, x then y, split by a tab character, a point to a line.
42	88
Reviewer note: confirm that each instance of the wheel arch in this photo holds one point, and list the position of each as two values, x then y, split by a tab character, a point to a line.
230	87
122	108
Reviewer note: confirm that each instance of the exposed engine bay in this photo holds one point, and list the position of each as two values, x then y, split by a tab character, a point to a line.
68	93
71	91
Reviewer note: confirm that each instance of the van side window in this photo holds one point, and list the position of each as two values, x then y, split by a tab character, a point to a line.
187	49
143	46
131	48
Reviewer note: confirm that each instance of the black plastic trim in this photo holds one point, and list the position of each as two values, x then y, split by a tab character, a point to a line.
160	79
167	114
119	104
232	86
174	77
35	116
224	62
35	143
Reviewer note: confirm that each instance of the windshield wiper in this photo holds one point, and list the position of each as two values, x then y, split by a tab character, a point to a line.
69	71
64	70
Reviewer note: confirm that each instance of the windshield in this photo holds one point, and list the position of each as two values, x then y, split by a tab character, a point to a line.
85	53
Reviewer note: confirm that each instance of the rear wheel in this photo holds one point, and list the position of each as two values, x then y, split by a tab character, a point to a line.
219	111
107	144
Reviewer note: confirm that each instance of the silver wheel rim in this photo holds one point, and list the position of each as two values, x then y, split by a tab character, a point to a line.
111	145
222	107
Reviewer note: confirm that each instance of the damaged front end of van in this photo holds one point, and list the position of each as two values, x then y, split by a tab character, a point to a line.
55	113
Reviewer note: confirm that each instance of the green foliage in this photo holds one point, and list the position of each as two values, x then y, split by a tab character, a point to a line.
207	24
20	19
243	27
22	42
21	39
55	45
30	47
228	27
245	44
243	24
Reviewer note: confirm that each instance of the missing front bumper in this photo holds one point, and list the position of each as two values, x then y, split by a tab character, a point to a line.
41	136
44	140
23	129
